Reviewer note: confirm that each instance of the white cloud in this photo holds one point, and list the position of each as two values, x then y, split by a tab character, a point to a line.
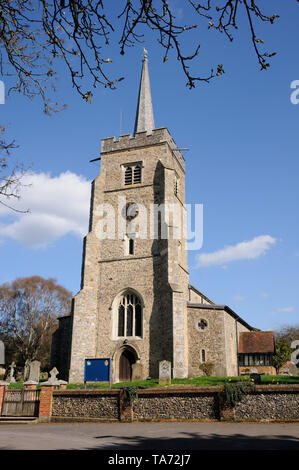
251	249
58	206
286	309
238	298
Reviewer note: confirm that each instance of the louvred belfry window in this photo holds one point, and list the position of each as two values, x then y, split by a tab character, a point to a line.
129	316
137	174
133	174
128	175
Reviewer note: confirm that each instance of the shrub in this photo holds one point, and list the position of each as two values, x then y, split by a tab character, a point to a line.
207	368
233	392
131	393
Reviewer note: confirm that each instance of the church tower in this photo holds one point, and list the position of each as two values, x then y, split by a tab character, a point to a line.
132	306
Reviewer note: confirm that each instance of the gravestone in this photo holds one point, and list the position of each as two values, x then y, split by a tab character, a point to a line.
2	353
26	370
220	371
164	372
137	371
34	371
10	377
53	380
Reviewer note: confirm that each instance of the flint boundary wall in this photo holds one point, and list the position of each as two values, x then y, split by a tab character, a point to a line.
263	403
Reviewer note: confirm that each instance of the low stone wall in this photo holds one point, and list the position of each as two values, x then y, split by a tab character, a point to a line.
86	404
176	405
263	403
273	403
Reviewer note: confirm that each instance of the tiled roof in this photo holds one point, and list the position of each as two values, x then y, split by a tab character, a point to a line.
256	342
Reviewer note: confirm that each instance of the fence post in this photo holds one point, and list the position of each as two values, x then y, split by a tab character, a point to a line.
126	408
3	387
30	385
226	412
45	403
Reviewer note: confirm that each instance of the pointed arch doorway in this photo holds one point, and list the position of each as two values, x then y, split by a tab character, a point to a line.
126	360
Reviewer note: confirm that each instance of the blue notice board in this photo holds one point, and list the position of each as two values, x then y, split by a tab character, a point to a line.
97	370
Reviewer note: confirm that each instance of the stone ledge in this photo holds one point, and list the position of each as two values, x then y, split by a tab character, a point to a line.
86	392
180	390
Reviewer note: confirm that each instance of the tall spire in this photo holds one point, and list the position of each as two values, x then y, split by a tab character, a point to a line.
144	115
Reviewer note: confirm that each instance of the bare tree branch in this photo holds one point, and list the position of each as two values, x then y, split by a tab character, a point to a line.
35	36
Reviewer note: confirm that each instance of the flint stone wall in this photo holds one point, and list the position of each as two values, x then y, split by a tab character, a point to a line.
176	406
264	403
268	406
86	404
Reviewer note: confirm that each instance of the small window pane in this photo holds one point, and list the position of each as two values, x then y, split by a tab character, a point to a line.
138	330
131	246
128	175
203	356
130	320
137	174
121	320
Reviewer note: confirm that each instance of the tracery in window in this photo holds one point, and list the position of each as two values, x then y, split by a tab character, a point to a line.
129	322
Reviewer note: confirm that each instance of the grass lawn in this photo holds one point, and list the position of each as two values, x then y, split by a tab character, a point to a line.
197	382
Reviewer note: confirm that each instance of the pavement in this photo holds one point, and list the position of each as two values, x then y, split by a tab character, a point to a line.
150	436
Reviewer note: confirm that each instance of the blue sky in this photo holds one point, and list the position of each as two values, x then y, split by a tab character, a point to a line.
242	165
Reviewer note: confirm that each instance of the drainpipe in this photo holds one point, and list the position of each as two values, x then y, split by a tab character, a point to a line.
237	346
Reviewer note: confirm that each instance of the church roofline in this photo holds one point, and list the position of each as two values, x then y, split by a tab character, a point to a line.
144	120
126	142
226	309
190	286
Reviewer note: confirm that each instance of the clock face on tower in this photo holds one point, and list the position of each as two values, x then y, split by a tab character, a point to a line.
131	210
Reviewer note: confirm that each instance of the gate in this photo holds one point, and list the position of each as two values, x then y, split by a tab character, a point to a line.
22	402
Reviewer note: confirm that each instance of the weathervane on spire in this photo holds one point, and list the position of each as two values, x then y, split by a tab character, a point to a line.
145	53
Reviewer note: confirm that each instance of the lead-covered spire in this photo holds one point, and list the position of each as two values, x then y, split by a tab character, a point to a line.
144	115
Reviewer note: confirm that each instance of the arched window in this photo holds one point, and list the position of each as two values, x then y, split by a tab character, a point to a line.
129	316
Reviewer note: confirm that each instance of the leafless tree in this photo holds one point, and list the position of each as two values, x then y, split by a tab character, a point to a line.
287	333
35	35
29	308
38	35
11	174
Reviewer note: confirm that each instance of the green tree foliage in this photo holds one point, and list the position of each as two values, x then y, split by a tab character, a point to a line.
282	354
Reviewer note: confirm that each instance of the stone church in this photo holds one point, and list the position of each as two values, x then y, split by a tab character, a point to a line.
136	306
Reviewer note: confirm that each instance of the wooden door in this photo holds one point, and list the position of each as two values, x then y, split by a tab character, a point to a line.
125	366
